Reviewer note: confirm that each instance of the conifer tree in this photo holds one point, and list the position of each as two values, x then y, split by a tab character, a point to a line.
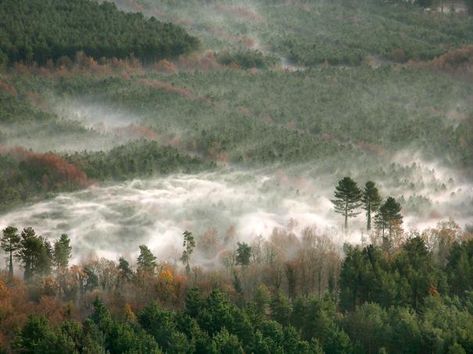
347	199
10	243
189	245
371	201
243	254
62	252
389	217
146	260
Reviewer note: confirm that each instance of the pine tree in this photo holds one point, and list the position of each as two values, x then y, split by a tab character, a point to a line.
10	243
347	199
35	254
389	217
126	273
146	260
371	201
243	254
189	245
62	252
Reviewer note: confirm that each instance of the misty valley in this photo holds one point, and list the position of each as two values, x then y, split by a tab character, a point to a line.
236	176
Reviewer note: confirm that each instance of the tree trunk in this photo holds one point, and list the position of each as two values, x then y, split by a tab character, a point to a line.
346	217
368	215
10	266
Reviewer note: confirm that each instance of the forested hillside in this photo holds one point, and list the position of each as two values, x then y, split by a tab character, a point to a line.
310	33
415	297
236	176
38	31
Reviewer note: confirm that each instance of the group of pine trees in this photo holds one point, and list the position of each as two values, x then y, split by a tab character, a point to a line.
349	199
35	253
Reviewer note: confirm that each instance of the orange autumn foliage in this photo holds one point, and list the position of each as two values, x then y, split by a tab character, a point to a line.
58	168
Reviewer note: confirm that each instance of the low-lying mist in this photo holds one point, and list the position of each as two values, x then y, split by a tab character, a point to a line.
229	205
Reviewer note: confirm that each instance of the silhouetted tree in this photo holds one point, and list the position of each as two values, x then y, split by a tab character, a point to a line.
347	199
10	243
146	260
126	273
243	254
189	245
62	252
371	201
389	217
35	254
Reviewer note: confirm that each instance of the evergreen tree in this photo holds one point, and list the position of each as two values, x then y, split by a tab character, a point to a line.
62	252
10	243
371	201
347	199
189	245
389	217
146	260
243	254
124	269
35	254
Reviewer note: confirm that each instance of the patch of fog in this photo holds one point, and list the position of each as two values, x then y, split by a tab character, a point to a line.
112	221
80	125
42	138
155	212
288	65
100	118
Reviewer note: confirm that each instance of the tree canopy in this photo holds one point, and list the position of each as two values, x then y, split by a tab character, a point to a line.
38	31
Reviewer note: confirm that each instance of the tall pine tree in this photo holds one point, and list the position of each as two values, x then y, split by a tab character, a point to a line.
347	199
10	243
389	218
371	201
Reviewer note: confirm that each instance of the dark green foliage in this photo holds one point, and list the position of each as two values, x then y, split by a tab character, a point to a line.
62	252
367	275
137	159
245	59
227	343
243	254
35	254
120	337
37	337
392	303
460	268
126	273
389	218
371	201
189	245
347	199
162	326
35	31
146	260
10	243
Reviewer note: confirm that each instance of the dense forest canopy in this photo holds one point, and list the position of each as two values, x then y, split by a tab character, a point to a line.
38	31
314	32
411	297
236	176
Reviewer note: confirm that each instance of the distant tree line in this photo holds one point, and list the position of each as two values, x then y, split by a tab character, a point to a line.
38	31
25	175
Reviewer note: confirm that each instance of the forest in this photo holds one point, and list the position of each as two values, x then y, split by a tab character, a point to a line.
412	296
54	30
236	176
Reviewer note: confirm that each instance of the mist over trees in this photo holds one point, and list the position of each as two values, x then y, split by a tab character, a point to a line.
166	176
373	299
